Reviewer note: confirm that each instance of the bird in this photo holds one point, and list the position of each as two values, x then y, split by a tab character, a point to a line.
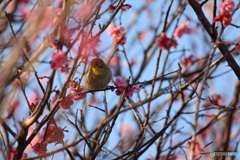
98	75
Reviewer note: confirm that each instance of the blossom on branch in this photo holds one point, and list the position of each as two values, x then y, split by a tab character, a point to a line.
225	16
124	8
80	88
40	147
60	60
182	29
66	102
52	134
117	34
164	42
121	84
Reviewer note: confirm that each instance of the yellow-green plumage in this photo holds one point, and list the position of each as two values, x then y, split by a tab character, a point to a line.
98	74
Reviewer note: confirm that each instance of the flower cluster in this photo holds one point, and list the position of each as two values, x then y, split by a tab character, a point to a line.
60	60
121	84
117	34
67	101
76	89
124	8
182	29
225	13
164	42
49	135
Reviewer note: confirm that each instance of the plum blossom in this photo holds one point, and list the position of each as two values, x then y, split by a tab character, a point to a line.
52	135
66	102
80	88
226	7
198	148
24	155
124	8
237	46
164	42
121	84
60	60
117	34
187	61
225	13
182	29
40	147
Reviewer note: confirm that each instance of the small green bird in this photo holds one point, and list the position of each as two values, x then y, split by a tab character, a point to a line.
98	74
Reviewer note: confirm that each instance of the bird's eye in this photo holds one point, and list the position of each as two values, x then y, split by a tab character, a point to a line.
99	64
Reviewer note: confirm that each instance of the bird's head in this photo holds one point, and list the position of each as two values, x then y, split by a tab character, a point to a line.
97	66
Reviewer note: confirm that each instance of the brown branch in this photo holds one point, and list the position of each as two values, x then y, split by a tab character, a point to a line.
213	35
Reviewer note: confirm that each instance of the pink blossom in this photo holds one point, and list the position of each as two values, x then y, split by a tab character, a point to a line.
182	29
60	60
225	19
40	147
164	42
198	148
226	7
80	88
237	46
198	0
66	102
52	135
24	155
225	13
117	34
132	89
121	84
187	61
123	8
